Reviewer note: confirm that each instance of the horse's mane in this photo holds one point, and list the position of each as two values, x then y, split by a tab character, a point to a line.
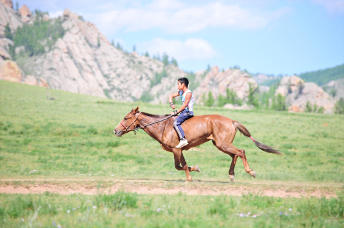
153	115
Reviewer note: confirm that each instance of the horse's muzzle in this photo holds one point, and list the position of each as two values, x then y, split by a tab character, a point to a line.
118	133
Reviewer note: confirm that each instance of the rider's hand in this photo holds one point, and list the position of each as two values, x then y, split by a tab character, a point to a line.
172	113
173	106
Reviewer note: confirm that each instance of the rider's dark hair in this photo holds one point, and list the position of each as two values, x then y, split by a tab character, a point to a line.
184	80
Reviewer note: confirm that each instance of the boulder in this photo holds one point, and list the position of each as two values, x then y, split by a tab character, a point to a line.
25	11
46	17
294	108
67	14
10	71
4	54
31	80
8	3
19	49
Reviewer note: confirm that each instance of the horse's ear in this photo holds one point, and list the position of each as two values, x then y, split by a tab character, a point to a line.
136	110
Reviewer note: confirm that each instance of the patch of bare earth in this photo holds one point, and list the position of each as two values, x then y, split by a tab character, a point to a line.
91	187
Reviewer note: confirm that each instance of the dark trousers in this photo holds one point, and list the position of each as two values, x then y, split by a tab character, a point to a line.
184	115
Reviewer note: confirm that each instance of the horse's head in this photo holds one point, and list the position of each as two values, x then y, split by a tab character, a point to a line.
128	123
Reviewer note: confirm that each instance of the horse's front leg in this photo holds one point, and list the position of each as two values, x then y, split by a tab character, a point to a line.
231	170
179	159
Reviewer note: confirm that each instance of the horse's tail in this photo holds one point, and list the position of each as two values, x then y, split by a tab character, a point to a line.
245	132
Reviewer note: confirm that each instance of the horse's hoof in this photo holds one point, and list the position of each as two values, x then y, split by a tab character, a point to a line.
231	177
195	168
187	181
253	173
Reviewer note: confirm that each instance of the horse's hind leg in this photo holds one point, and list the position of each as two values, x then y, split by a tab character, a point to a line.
230	149
231	170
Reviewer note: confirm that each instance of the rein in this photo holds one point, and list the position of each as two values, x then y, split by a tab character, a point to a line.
141	127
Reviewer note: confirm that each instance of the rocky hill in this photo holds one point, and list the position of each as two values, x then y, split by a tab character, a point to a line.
73	55
218	81
298	93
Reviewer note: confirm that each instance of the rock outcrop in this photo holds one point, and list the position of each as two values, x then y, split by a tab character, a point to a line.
84	61
218	81
335	88
8	3
9	71
25	14
298	93
30	80
8	16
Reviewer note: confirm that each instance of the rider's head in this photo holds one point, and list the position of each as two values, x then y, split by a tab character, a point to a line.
184	81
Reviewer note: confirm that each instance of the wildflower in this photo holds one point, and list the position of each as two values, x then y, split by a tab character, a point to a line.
74	209
290	209
22	219
94	207
281	213
54	224
125	202
158	210
68	211
253	216
58	226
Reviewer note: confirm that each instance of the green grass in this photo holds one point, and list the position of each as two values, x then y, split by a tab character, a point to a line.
133	210
71	136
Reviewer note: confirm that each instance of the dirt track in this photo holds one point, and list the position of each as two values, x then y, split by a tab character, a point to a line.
90	187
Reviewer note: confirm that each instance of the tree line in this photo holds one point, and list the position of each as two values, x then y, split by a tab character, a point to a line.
35	38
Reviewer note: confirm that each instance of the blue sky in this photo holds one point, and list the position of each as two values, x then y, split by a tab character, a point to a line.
266	36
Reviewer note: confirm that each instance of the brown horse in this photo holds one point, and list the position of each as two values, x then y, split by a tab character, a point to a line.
198	130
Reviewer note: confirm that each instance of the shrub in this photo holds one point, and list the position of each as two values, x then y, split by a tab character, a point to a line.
339	107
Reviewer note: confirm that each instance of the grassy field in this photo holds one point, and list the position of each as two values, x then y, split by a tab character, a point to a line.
71	137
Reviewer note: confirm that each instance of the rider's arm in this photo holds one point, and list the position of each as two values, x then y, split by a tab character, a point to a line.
186	102
170	98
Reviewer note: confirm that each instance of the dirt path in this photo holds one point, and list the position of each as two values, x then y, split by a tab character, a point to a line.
96	186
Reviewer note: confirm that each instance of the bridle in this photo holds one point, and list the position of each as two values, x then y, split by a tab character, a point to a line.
126	128
140	127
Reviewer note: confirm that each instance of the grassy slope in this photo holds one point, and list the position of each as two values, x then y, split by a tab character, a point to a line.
71	136
133	210
322	77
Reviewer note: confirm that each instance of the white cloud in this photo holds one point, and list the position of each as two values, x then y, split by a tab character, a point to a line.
332	6
176	17
191	48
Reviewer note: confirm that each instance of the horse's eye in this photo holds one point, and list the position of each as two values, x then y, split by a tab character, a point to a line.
125	118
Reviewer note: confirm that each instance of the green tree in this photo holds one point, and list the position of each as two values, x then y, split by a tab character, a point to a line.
174	62
147	55
17	6
134	48
333	92
252	98
8	33
339	107
278	103
165	59
210	101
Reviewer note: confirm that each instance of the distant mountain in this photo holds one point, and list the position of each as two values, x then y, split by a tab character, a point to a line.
322	77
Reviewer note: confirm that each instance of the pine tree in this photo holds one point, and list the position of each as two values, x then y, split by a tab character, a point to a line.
147	55
8	33
174	62
165	59
134	48
210	101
